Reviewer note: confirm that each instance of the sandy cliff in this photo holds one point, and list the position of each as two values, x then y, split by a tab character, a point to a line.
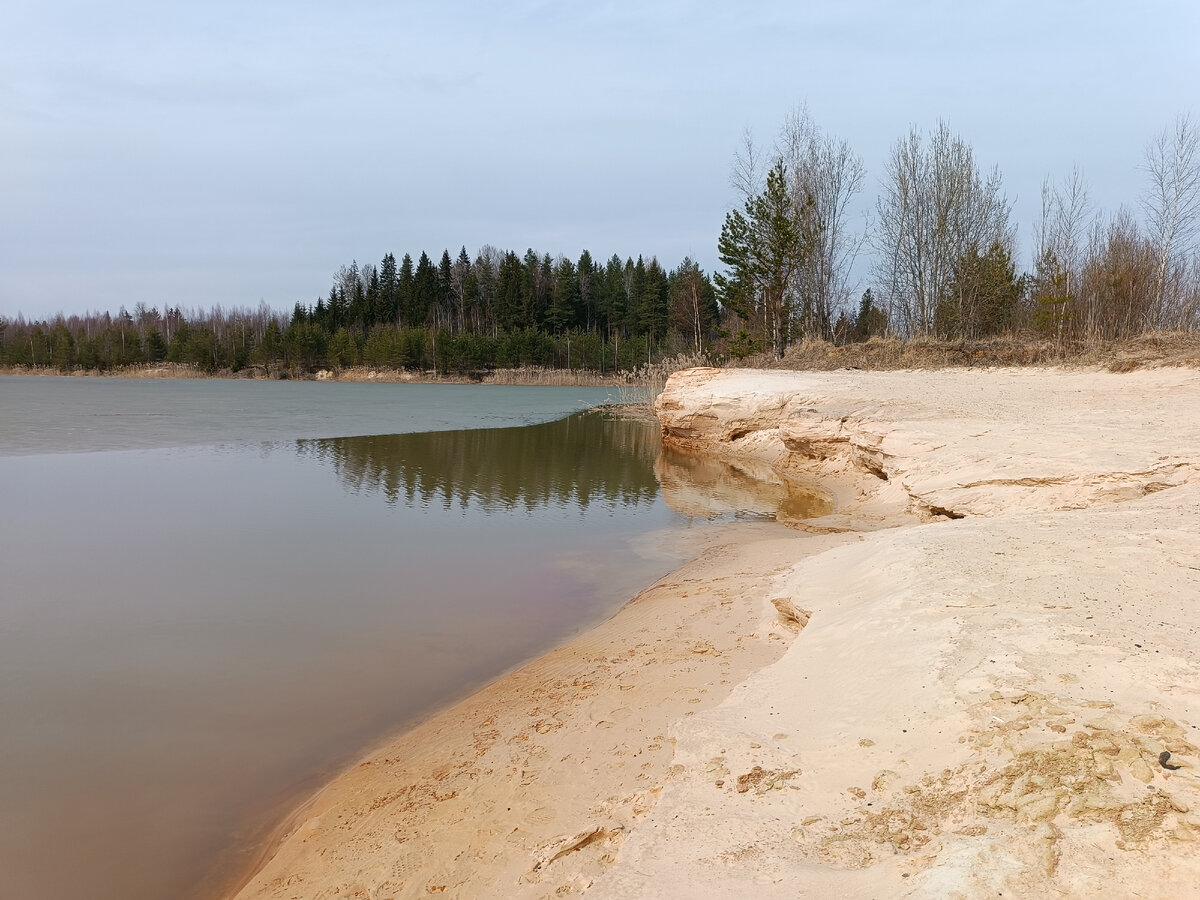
1002	700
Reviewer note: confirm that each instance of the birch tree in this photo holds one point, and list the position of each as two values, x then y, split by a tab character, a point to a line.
1060	240
934	207
1172	209
826	177
823	176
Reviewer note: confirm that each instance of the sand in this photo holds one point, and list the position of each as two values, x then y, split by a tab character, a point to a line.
979	674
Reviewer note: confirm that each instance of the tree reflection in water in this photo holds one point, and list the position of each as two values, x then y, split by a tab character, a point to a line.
590	457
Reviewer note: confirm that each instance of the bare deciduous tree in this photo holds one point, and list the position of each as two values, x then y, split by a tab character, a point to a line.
746	176
1059	244
826	177
1172	207
688	301
934	207
823	177
1116	290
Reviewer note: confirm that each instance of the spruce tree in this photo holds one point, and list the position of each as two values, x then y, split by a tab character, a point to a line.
405	285
425	292
389	292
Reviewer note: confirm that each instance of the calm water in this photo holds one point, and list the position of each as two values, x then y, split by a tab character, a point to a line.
64	415
215	594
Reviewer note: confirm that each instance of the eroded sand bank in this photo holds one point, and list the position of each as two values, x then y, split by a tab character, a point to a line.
996	686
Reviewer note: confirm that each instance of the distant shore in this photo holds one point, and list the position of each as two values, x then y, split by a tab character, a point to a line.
883	354
527	376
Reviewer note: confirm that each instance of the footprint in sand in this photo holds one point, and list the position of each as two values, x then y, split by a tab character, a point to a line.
404	867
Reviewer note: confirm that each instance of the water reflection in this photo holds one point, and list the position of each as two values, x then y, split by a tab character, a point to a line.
708	487
272	621
591	457
583	459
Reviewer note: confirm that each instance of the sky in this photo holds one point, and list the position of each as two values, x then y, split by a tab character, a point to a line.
226	153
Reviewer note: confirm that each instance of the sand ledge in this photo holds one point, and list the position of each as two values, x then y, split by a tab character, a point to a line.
994	698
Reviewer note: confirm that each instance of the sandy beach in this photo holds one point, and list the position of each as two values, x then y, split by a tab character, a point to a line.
977	674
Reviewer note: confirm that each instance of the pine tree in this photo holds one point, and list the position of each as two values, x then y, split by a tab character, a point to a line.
635	289
764	248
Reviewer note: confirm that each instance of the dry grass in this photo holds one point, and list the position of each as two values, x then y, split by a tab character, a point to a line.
148	370
1151	350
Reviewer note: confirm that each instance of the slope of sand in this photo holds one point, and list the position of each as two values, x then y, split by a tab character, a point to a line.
530	787
978	706
980	676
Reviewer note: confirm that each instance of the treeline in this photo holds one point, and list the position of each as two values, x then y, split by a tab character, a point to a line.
943	244
939	253
496	310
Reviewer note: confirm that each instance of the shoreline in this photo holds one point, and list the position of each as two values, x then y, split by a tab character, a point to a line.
677	647
525	377
976	675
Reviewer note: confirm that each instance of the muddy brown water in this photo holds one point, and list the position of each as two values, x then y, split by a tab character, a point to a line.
216	595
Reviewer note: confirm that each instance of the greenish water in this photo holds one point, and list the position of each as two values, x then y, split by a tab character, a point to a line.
216	594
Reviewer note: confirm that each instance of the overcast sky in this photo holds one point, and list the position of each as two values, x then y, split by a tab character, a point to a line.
229	153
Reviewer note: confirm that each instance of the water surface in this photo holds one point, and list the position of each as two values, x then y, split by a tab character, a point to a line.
70	415
216	594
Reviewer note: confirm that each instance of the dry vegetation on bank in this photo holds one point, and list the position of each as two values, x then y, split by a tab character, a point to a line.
1151	350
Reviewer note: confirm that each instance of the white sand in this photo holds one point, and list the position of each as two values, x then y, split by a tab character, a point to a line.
1001	645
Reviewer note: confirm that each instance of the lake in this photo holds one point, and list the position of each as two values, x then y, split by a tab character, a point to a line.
217	594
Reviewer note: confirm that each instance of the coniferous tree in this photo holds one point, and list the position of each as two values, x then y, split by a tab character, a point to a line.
487	275
511	292
871	320
462	288
764	249
405	288
983	294
564	297
612	298
425	292
635	287
445	290
586	275
389	292
694	309
655	302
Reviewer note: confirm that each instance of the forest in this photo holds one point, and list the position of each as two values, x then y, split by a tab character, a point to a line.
936	256
460	315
